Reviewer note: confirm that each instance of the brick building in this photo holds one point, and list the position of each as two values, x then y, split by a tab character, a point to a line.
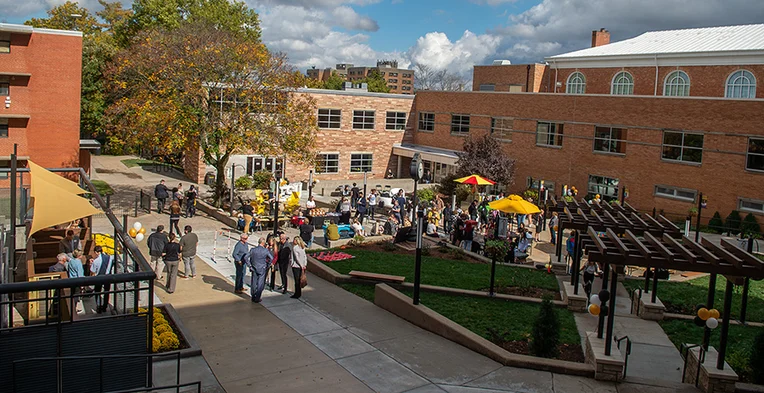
399	80
40	78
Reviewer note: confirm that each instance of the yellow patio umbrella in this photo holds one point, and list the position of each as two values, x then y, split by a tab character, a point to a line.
475	180
514	204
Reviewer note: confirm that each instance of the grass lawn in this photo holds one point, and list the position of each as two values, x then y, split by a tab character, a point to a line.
739	342
681	297
102	187
445	272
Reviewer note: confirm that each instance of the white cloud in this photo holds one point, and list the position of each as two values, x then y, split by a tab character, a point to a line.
27	8
347	17
439	52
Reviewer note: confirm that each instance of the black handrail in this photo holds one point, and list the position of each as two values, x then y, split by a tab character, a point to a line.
628	351
684	352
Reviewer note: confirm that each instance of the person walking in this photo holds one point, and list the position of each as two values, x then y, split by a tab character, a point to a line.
188	244
175	217
171	257
180	194
161	192
249	213
538	221
101	266
191	195
240	251
258	260
285	259
570	246
553	222
273	248
156	243
354	193
360	207
590	271
306	234
299	263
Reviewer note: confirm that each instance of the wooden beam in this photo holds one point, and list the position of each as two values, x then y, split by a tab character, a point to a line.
597	241
667	223
678	246
743	254
639	219
721	252
623	217
629	207
654	222
618	243
582	214
596	216
663	250
568	214
638	244
701	251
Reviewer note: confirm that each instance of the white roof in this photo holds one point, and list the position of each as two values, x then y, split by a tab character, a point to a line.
687	41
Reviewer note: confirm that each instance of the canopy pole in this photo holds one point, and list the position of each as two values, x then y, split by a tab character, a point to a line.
725	326
605	276
709	305
611	313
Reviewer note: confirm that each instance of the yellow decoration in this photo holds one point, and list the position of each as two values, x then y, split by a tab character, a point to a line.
132	232
155	344
169	341
714	313
594	309
292	203
142	230
105	241
704	314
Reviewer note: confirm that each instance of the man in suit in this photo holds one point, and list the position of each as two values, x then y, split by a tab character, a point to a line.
161	192
240	252
68	244
258	260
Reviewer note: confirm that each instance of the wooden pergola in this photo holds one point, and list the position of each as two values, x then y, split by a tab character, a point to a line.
652	251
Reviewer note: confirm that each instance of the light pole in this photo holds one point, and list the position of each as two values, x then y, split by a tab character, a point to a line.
310	184
417	170
702	202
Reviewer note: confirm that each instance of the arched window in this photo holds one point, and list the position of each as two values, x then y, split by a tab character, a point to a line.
741	84
576	83
623	84
677	84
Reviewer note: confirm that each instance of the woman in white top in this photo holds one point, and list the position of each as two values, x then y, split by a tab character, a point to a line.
299	263
310	204
372	202
358	228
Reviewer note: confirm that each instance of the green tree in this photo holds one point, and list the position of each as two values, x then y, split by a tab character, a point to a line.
546	331
376	82
716	224
334	82
68	16
750	226
201	87
732	223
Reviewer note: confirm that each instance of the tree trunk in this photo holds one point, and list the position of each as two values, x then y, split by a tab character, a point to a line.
220	182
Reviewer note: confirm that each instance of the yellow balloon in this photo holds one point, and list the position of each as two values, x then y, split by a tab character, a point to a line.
594	309
714	313
142	230
704	314
132	232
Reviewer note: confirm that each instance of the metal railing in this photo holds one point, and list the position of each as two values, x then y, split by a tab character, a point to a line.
145	201
628	352
684	352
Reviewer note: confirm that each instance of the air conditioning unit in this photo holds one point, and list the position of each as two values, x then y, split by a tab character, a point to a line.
8	101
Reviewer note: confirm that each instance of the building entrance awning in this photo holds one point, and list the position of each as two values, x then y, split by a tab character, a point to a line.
443	156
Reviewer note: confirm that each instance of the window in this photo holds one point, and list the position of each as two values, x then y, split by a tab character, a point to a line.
393	74
607	187
609	140
406	82
406	88
3	128
407	75
548	134
755	157
5	89
328	163
426	121
460	124
392	80
741	84
487	87
750	206
576	83
329	118
681	194
677	84
396	121
501	128
363	120
393	87
623	84
360	162
5	46
682	146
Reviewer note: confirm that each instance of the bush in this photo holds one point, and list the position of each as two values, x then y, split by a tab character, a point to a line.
262	180
732	223
716	225
168	341
426	194
163	328
389	246
756	362
530	193
156	343
546	331
750	226
244	183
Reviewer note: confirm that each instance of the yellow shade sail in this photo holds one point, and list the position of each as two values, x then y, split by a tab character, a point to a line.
476	180
47	176
514	204
56	201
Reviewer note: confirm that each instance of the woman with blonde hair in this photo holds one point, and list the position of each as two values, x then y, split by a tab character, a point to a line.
299	263
273	247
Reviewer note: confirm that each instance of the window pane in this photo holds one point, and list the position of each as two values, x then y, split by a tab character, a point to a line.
692	155
5	89
3	130
672	153
693	140
5	47
672	138
754	161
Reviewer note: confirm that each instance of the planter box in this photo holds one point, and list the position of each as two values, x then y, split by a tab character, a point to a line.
172	316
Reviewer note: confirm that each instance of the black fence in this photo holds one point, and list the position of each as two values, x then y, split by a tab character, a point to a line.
144	201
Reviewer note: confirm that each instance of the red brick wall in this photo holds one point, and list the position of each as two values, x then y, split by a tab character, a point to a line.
502	76
721	176
50	97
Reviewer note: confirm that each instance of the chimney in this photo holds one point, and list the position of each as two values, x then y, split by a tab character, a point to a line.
600	37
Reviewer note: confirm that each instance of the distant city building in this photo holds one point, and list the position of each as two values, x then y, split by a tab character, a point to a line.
399	80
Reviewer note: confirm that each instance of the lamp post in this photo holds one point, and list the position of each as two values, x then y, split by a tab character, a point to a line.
364	183
702	203
276	205
310	184
416	171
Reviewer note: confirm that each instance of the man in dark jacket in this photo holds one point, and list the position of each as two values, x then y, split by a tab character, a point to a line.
156	243
354	195
306	233
161	192
285	260
258	260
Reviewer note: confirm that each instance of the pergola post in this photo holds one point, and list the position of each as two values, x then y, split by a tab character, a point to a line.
605	276
725	326
744	302
575	263
559	239
709	305
647	279
611	313
655	285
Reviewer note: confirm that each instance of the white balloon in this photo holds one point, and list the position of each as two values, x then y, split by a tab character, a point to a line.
712	323
595	299
137	226
139	237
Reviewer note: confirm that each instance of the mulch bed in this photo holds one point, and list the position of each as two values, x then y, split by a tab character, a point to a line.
568	352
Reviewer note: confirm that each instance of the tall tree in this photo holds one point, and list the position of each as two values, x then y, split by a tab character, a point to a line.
199	86
427	78
334	82
68	16
376	83
484	156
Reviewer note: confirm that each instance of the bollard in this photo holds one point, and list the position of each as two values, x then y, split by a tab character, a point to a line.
228	248
214	247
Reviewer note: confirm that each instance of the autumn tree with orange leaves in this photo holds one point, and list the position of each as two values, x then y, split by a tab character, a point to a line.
200	87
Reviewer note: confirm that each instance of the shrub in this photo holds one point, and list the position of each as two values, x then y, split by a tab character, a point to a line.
497	248
449	187
426	195
156	343
756	361
159	320
750	226
546	331
169	341
244	183
163	328
716	225
426	251
530	193
262	180
732	223
389	246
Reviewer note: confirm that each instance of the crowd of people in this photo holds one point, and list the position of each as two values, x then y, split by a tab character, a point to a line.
182	202
272	254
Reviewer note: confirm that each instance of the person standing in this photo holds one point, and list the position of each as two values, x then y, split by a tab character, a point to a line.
249	213
360	207
472	209
306	234
68	244
447	224
258	259
311	203
396	212
240	251
161	192
299	263
171	257
354	192
285	259
175	217
553	222
101	266
401	198
191	195
60	265
372	203
345	210
273	247
180	194
188	244
156	243
74	269
570	245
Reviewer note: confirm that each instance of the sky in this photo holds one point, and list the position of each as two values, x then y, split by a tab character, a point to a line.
452	34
